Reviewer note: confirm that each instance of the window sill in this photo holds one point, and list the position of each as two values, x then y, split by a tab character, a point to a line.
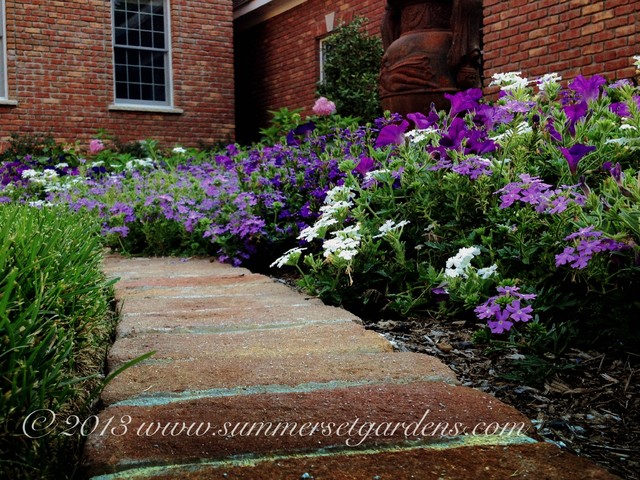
144	109
8	103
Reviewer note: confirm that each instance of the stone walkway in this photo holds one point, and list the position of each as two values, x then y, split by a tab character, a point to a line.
251	380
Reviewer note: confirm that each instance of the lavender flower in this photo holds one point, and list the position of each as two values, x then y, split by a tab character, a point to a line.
499	319
586	242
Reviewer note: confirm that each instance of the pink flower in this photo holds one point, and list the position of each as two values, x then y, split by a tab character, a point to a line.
324	107
96	146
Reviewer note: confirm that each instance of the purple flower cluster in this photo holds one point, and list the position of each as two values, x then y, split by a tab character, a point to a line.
473	167
501	311
587	241
533	191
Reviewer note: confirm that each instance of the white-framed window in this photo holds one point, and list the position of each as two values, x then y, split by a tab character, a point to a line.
142	52
3	54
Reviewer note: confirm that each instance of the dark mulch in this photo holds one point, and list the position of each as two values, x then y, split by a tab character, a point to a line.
591	409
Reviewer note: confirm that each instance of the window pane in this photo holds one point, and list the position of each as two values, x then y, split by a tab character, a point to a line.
158	76
121	36
145	21
147	92
146	38
158	23
161	93
133	73
133	38
158	40
134	91
121	90
146	75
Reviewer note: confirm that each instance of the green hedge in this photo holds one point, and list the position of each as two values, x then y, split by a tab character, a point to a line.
56	322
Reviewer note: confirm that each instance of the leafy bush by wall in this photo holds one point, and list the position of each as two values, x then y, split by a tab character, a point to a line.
351	69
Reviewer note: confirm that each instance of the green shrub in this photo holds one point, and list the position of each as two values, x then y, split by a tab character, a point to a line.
55	325
351	69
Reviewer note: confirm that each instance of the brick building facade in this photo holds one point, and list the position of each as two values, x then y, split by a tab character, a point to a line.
165	69
159	69
277	55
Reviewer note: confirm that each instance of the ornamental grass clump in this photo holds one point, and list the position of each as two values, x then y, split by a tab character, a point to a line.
55	326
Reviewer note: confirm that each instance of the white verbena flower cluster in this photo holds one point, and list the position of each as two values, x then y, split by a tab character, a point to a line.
344	244
458	265
375	174
636	61
509	81
337	199
290	257
390	226
137	163
40	178
50	181
523	128
419	136
40	204
548	80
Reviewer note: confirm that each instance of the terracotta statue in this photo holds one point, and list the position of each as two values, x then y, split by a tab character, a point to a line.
432	47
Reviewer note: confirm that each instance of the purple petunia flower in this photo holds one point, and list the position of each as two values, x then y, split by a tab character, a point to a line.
574	113
614	170
620	108
463	101
479	143
421	121
392	135
456	133
364	165
588	88
553	133
300	130
575	154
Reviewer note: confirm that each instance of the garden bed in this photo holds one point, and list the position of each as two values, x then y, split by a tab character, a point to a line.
519	218
592	409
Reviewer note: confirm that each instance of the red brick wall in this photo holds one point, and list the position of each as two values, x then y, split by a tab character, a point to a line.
569	37
277	60
59	65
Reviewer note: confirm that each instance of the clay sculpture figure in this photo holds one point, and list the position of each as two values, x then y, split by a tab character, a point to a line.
432	47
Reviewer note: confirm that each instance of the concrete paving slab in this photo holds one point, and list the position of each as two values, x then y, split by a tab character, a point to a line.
337	369
487	462
256	425
259	343
230	318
